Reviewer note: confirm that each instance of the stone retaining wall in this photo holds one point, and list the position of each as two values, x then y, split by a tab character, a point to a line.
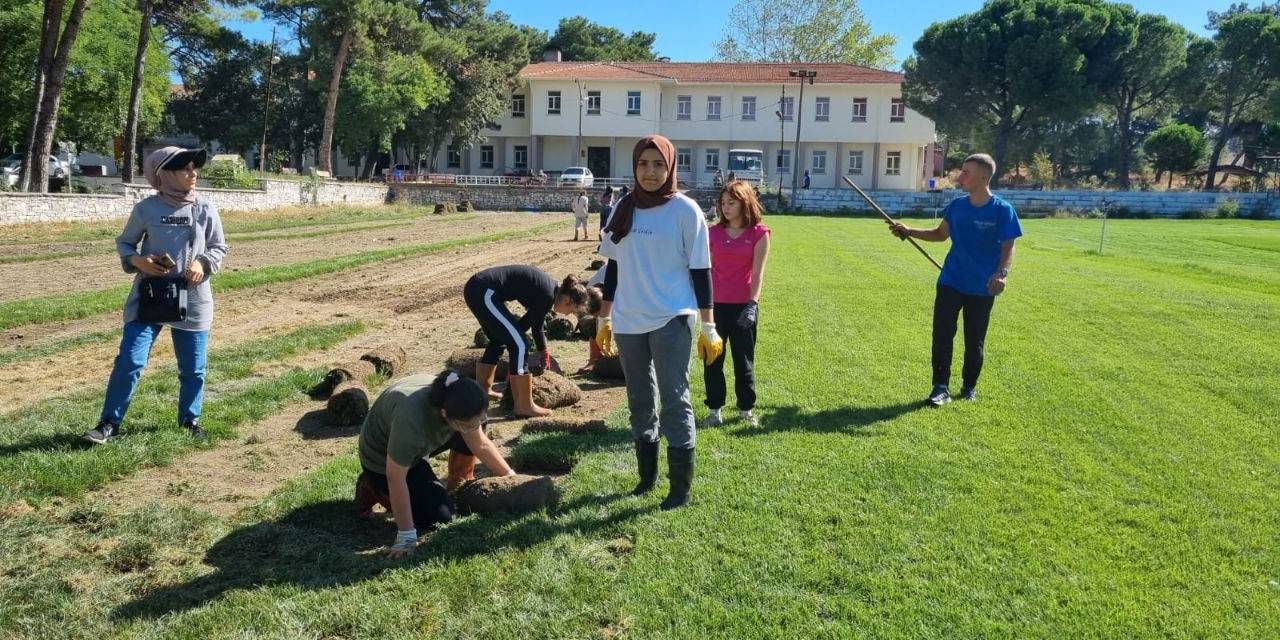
511	198
1031	203
71	207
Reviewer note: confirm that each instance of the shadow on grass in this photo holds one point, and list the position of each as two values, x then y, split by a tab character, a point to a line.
324	545
558	452
848	420
49	443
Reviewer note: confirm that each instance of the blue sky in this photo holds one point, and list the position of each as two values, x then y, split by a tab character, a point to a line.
688	30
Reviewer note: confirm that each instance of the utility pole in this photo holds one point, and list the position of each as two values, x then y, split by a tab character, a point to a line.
272	60
782	142
578	142
803	74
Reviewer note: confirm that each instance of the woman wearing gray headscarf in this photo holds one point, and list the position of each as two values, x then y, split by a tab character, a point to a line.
172	244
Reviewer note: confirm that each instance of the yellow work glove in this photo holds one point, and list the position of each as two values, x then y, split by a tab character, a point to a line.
710	346
604	337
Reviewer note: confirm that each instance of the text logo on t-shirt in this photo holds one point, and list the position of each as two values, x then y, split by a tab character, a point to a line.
176	220
984	224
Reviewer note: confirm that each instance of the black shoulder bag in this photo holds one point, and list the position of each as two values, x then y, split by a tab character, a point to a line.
164	299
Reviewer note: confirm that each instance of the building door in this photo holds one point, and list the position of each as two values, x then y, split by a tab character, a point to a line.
598	161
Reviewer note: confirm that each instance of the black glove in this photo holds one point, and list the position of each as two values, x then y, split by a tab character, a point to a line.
749	315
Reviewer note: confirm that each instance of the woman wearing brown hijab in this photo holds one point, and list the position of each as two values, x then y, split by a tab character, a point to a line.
657	280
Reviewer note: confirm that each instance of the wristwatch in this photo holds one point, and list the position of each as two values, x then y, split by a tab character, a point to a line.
1003	273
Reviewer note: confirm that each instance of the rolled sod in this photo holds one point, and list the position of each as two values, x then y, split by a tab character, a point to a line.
388	359
510	494
464	361
608	369
560	327
348	405
550	390
358	371
587	327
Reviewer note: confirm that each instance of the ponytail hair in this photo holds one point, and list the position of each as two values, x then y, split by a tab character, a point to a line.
460	397
588	299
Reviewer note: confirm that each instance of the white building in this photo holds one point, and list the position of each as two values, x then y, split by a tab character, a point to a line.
852	122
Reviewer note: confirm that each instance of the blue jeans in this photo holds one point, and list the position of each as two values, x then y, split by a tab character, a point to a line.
190	347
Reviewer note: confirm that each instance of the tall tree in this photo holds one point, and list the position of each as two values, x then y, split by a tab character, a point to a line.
480	77
1151	70
1009	66
578	38
92	110
168	16
1244	74
56	42
804	31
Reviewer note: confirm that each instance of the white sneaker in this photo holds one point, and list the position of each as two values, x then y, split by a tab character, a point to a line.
748	417
713	419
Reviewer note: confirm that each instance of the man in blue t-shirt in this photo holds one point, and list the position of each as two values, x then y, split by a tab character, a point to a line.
982	228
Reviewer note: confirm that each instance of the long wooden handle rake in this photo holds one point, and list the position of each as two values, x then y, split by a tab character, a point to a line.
889	219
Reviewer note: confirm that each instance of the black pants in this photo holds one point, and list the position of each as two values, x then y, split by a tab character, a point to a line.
741	344
428	498
503	329
947	306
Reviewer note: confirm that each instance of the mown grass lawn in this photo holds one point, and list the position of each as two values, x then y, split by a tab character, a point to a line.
1119	478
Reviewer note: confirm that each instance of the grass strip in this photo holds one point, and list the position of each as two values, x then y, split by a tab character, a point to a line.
22	354
82	304
41	453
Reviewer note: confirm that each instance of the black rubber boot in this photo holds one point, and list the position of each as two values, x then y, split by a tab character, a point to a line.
680	469
647	464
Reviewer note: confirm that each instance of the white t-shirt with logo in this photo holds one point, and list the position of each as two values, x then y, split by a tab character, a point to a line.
654	260
580	205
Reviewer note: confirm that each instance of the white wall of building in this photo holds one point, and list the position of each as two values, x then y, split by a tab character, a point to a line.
550	139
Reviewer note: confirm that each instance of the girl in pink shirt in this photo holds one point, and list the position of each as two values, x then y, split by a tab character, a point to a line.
739	248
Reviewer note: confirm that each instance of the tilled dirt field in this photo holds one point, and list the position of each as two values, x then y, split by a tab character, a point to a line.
414	302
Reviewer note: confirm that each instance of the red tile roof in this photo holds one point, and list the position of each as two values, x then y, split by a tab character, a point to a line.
695	72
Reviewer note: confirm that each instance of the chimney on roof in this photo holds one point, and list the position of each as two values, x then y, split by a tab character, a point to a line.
551	54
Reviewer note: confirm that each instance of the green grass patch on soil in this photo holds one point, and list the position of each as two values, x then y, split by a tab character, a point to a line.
22	354
72	306
1117	478
41	453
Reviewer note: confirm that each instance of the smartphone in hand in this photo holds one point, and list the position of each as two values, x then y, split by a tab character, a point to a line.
165	261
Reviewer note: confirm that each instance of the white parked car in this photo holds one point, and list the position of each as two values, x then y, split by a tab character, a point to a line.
576	177
11	165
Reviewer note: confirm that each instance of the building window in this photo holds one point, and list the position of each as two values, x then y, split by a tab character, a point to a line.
713	107
859	109
593	103
819	162
749	108
788	108
633	103
486	156
822	110
553	103
713	160
517	105
893	164
684	107
897	110
520	157
855	163
453	157
684	159
784	161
